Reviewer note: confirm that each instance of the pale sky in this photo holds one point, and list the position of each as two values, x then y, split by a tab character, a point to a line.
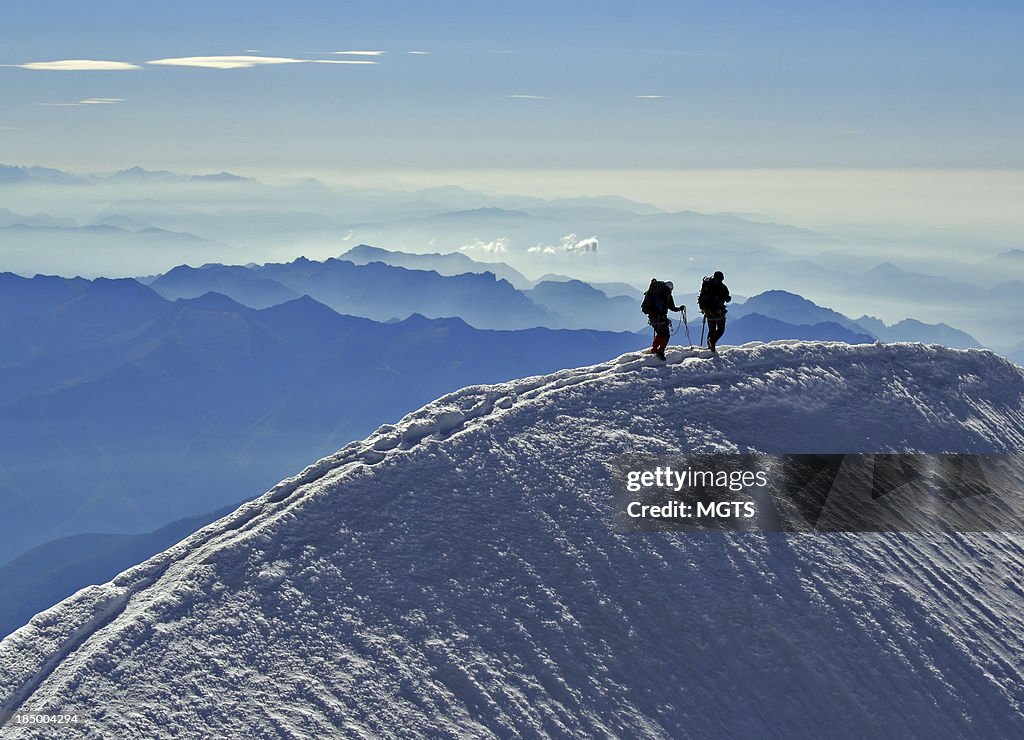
506	91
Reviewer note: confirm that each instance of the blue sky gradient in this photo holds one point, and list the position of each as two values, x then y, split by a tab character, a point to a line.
743	85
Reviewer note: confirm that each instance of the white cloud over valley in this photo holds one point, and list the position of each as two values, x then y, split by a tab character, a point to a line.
498	246
568	244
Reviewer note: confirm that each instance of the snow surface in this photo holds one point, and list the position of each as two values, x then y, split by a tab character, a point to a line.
456	575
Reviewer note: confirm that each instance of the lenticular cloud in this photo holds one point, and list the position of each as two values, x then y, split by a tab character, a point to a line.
79	65
224	62
246	61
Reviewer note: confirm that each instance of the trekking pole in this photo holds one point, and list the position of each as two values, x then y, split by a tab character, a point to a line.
702	325
686	323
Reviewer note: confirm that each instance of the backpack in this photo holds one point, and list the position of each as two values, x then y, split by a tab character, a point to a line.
708	300
656	298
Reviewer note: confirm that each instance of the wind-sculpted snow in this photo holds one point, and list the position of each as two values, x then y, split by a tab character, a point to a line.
456	575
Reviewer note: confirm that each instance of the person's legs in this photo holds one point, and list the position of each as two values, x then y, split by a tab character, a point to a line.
661	335
716	328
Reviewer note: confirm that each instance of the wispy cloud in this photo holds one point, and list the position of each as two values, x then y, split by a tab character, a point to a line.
650	97
246	61
421	53
361	53
569	244
497	246
85	101
77	65
529	97
224	62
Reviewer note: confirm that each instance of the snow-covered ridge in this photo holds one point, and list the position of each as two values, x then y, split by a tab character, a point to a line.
457	572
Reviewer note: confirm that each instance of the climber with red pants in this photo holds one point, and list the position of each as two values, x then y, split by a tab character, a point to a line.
657	303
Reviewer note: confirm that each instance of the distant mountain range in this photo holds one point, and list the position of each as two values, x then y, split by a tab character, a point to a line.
609	289
795	309
137	174
15	175
240	283
124	393
118	387
582	306
223	217
147	410
453	263
40	244
382	292
455	285
754	327
11	174
44	575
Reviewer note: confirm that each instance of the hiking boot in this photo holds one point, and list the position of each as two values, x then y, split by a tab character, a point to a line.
661	355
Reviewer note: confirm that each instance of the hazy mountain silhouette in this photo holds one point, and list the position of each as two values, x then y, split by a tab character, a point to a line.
44	575
11	174
240	283
609	289
791	308
1008	264
366	281
74	249
453	263
140	174
582	305
797	310
10	218
383	292
888	278
912	330
757	328
124	395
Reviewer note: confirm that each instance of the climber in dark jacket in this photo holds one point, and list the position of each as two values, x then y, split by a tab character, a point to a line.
712	299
